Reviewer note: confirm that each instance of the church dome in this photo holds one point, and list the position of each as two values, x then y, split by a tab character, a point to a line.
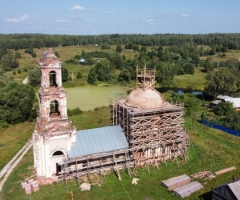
145	99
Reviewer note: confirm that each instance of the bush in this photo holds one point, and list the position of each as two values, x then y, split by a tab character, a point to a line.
3	124
79	75
75	111
78	57
70	61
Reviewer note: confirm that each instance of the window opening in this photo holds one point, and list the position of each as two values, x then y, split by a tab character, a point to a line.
54	108
53	79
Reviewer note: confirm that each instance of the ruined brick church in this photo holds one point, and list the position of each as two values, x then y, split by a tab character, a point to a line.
145	130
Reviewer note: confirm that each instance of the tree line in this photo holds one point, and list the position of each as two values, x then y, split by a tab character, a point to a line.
218	42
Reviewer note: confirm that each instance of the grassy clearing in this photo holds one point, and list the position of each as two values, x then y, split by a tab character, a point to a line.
87	98
195	81
12	140
209	150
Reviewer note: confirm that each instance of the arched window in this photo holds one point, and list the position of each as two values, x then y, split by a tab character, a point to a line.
53	79
54	108
58	153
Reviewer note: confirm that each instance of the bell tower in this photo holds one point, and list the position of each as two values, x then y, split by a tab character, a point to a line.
54	133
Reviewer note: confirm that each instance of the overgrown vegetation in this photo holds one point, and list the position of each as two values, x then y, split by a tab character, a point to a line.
16	103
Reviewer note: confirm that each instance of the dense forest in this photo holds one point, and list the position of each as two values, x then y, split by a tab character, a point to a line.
170	54
23	41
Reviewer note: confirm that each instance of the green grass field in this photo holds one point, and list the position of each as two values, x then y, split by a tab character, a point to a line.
87	98
13	139
209	150
194	82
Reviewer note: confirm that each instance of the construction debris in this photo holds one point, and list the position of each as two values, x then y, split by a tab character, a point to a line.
203	174
176	182
135	180
223	171
85	186
188	189
30	186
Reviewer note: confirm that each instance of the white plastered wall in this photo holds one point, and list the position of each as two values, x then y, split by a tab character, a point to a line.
44	161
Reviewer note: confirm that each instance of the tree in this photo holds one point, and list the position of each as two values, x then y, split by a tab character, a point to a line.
224	108
57	54
64	74
83	53
79	75
9	61
34	77
189	68
102	71
105	46
92	76
117	60
165	74
119	48
16	103
208	65
124	75
220	82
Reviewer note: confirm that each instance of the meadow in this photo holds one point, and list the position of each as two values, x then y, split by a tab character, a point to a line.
89	97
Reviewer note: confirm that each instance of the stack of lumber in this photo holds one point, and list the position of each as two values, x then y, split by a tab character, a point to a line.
175	182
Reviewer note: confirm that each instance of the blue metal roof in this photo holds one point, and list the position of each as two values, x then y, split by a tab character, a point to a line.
97	140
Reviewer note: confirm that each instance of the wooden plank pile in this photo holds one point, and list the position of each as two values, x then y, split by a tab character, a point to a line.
182	185
175	182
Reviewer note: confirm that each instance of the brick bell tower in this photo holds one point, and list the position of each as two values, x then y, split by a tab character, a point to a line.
53	134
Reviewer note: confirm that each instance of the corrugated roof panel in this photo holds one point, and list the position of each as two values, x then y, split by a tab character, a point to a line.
188	189
98	140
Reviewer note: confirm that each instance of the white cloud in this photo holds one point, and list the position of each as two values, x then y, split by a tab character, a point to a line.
90	21
62	20
185	15
150	21
77	7
21	19
110	12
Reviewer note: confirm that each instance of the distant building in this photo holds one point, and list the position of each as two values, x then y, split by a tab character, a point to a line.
235	101
82	61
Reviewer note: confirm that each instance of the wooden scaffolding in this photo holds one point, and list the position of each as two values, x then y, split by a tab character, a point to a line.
154	135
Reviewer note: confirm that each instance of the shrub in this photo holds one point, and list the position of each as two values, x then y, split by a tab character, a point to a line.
70	61
75	111
79	75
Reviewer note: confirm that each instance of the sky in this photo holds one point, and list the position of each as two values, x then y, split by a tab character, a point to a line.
92	17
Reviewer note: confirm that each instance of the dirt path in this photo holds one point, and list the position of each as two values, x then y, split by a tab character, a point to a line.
8	168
